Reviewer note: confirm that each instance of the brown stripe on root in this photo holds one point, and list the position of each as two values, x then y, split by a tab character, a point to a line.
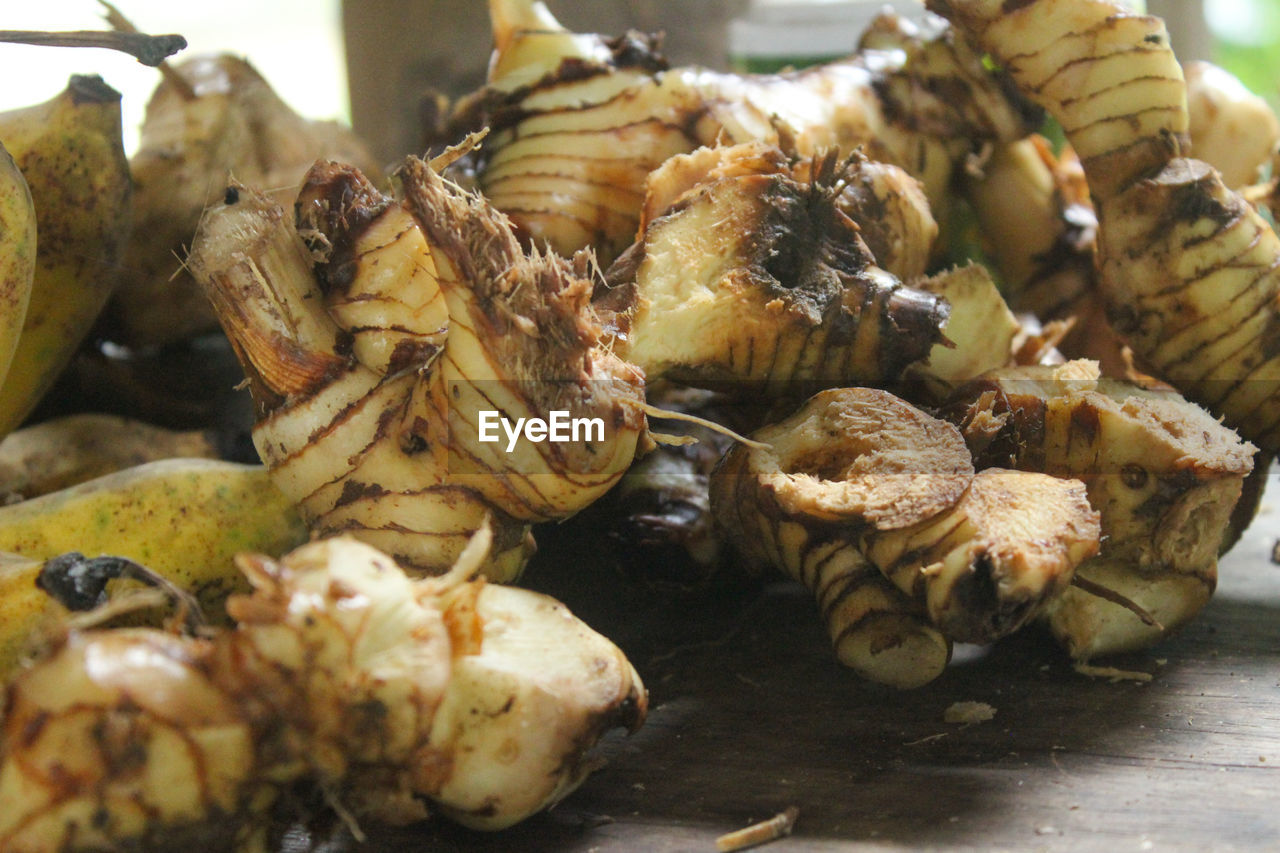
579	120
748	270
988	565
433	313
260	280
394	696
1189	271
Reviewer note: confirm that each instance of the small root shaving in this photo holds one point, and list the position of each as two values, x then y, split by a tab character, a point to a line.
666	414
763	832
1112	673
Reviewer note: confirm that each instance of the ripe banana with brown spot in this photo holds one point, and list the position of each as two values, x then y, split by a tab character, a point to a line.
183	518
17	256
71	152
211	116
27	614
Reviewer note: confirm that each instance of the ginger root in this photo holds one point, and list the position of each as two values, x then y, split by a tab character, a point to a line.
373	355
750	268
859	479
1188	269
480	699
1163	474
579	120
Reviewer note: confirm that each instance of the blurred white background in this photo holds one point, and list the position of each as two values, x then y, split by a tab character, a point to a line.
296	44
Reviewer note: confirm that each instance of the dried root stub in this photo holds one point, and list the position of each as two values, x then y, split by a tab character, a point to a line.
1163	473
579	120
385	354
388	693
1189	270
749	270
859	479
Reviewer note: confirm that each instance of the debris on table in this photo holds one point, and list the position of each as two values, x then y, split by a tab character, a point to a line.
1112	672
763	832
968	713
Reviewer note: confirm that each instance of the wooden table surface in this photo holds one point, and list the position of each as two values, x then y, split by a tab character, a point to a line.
750	715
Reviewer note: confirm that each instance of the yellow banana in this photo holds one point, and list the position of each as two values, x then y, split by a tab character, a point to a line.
71	152
54	454
24	609
183	518
17	255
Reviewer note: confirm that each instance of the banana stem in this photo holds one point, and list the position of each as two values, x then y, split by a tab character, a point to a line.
80	583
119	23
147	49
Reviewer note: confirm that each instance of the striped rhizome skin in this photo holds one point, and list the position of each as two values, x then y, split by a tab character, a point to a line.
1189	270
375	330
876	507
579	120
750	268
398	697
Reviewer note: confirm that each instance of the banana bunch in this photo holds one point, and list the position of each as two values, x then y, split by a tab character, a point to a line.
17	256
59	453
185	519
71	152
